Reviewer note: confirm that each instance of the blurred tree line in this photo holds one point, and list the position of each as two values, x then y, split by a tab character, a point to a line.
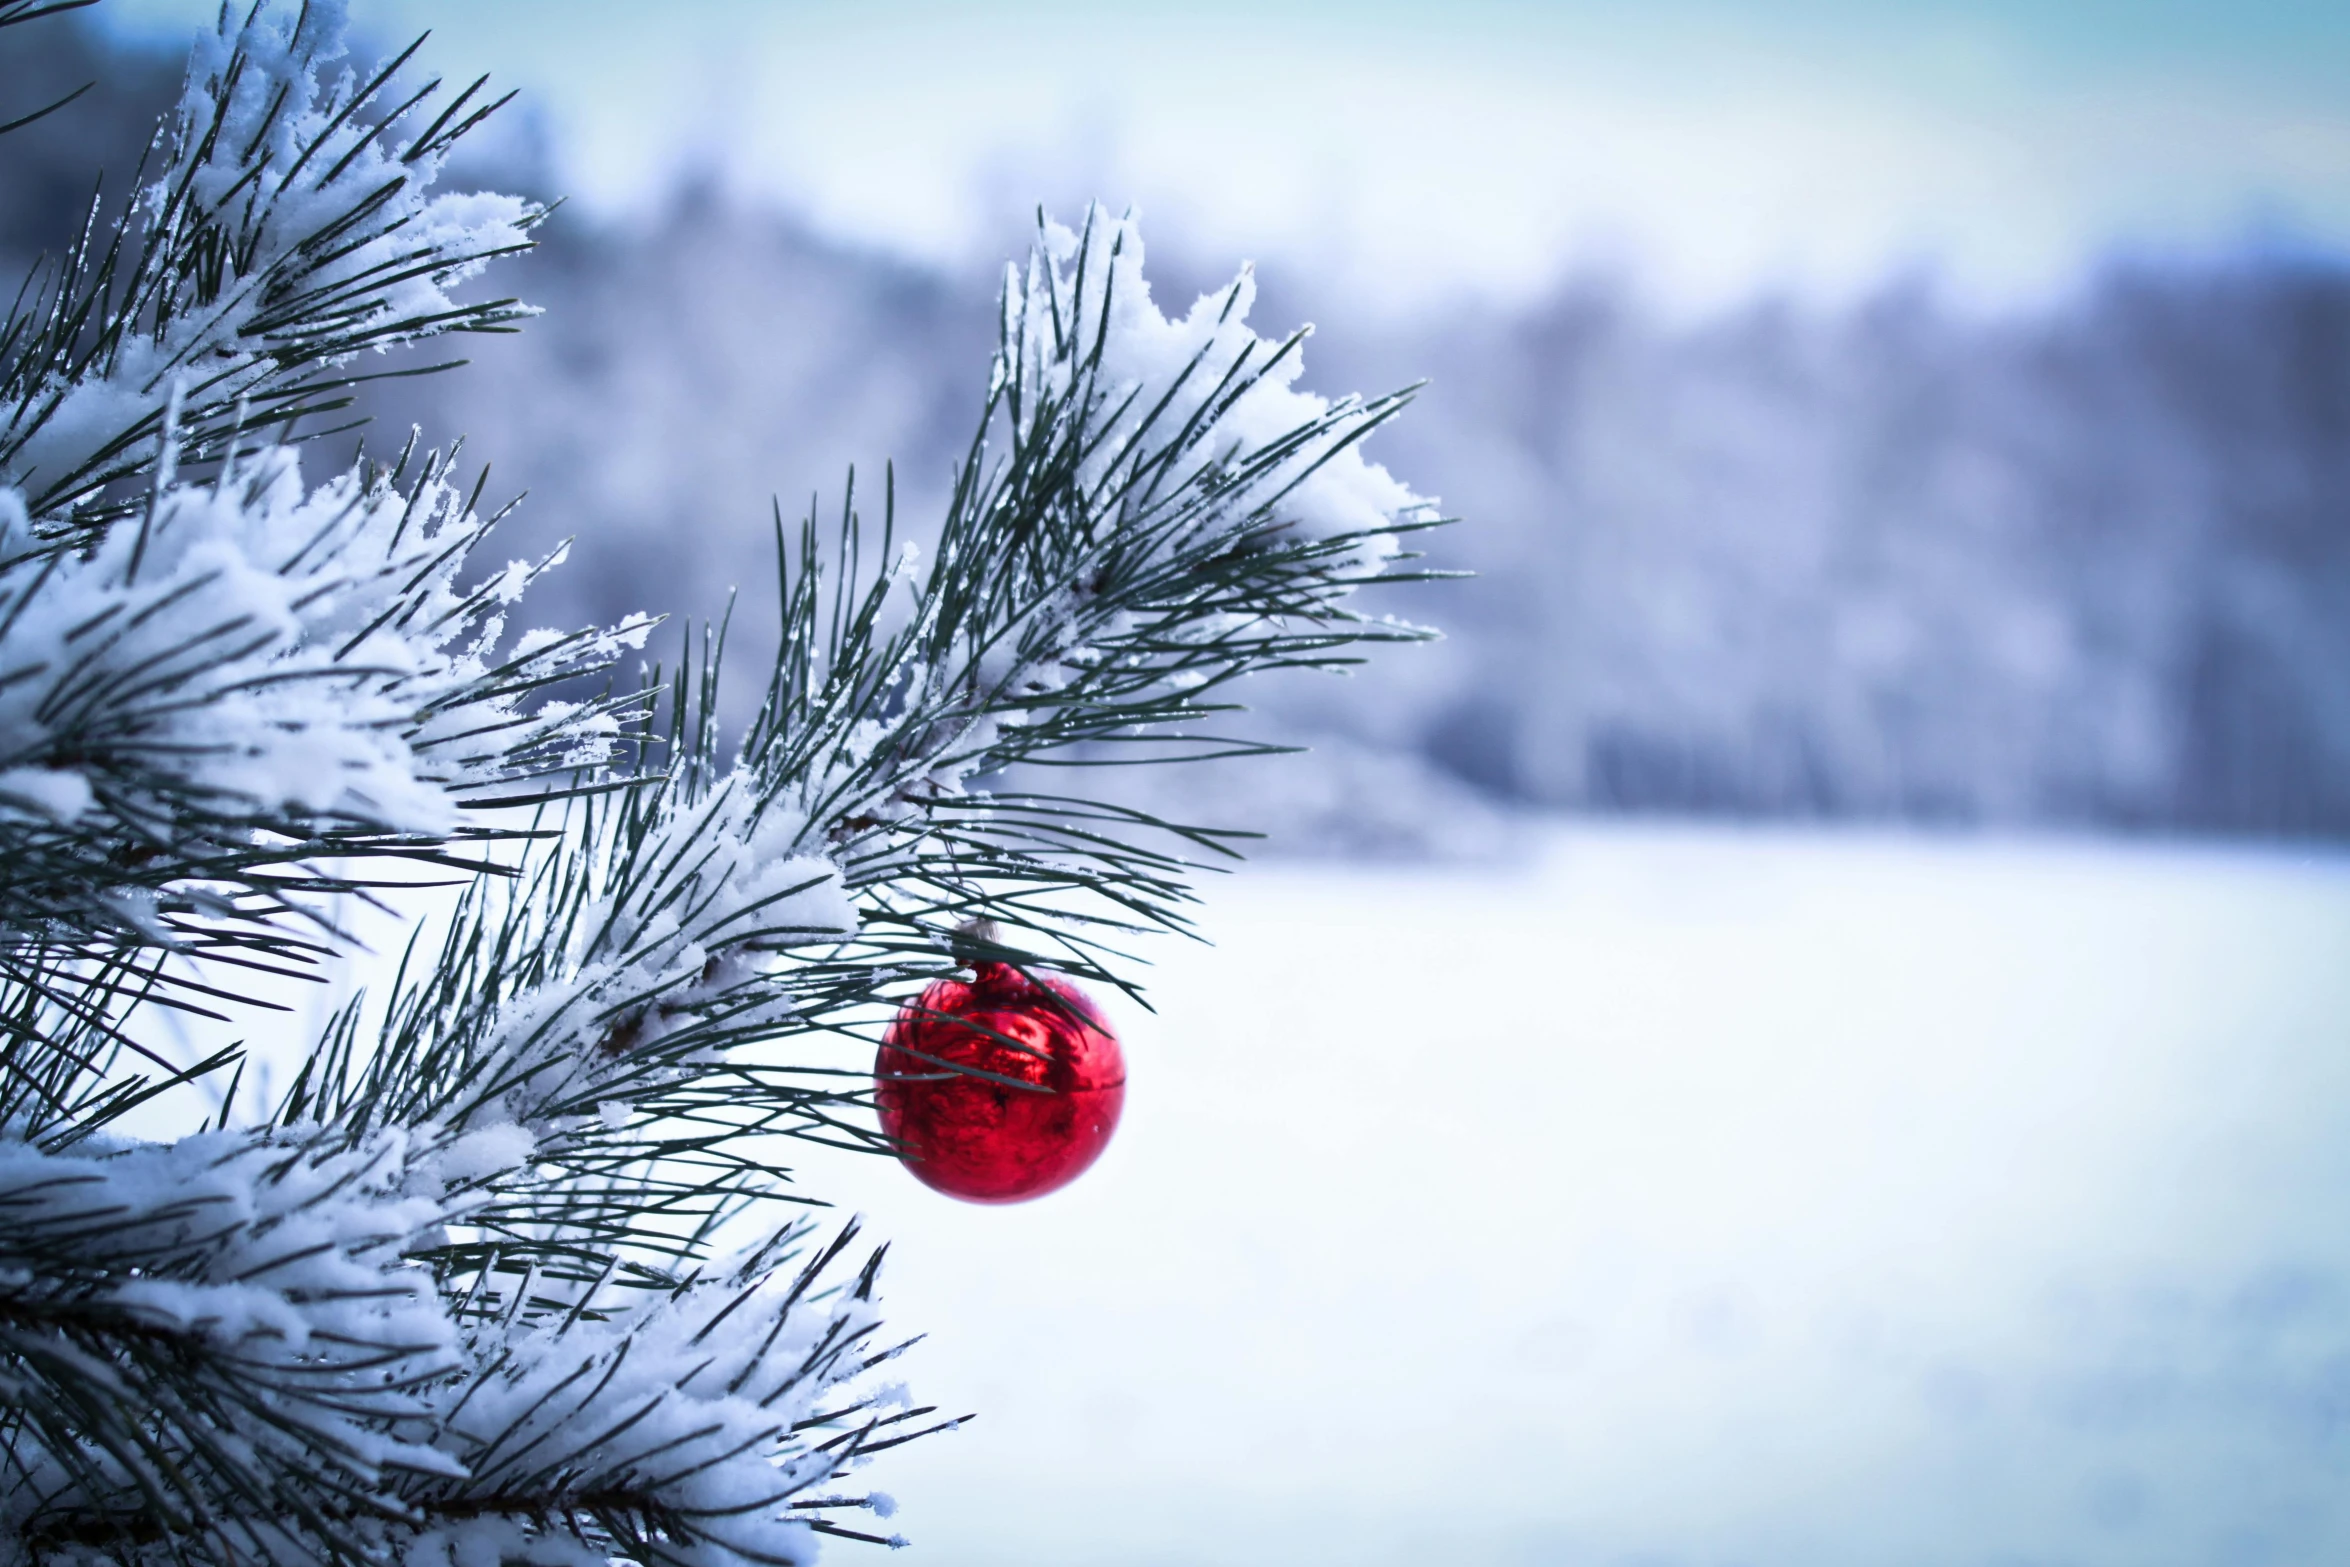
2083	563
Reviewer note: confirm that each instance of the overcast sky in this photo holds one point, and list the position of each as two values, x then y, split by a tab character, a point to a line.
1411	151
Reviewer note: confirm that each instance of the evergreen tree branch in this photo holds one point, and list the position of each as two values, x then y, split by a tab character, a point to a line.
218	693
1155	532
288	228
205	1343
460	1297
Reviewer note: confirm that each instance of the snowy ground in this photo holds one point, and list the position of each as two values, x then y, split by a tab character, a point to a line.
1685	1197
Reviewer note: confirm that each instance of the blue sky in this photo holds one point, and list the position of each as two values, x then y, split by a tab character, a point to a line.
1412	151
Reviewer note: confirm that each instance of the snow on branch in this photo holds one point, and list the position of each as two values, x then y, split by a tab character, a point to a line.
1169	512
257	654
573	1005
226	1344
290	227
1152	509
1196	403
211	1338
690	1429
213	688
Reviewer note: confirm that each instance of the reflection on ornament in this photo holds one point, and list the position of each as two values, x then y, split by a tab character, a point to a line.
1055	1081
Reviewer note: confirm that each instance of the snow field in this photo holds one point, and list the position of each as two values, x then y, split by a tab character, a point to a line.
1682	1196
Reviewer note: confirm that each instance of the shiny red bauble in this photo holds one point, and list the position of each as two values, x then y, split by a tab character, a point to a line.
1054	1081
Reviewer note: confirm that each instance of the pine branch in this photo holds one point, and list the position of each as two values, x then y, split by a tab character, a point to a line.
288	228
459	1298
1168	518
590	1030
218	1352
1156	531
220	694
206	1343
201	713
689	1430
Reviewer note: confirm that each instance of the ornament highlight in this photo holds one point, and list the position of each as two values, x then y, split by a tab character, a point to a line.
1056	1080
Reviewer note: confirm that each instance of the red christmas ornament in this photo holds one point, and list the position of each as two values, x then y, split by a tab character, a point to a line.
985	1140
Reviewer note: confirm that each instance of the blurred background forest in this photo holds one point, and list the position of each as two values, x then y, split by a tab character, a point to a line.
2077	560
